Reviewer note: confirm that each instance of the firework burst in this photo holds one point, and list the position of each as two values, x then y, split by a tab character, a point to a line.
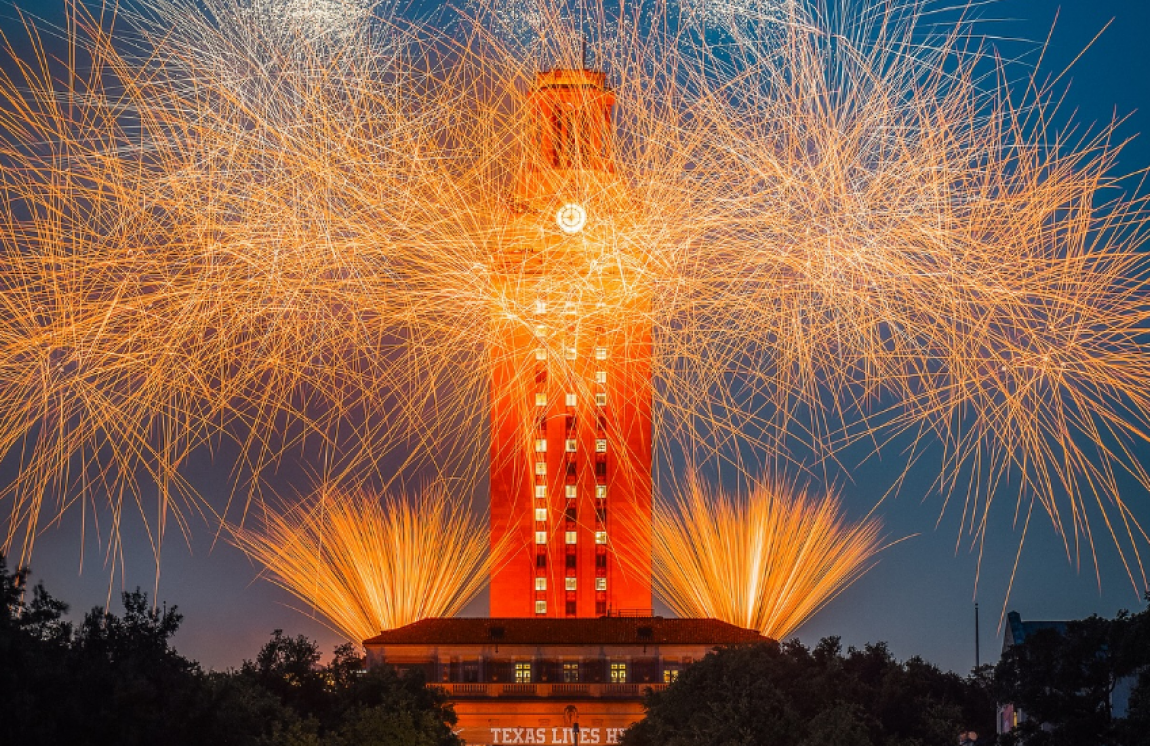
848	226
764	560
368	564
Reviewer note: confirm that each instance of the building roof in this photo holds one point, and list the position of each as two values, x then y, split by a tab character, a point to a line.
1017	630
600	631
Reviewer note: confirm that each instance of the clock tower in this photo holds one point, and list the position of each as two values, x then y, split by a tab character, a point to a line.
571	370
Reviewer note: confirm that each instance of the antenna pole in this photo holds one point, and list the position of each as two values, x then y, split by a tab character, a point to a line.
977	658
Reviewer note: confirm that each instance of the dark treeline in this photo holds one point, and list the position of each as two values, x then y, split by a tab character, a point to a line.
790	694
116	679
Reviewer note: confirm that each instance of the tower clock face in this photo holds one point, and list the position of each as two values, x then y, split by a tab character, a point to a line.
571	218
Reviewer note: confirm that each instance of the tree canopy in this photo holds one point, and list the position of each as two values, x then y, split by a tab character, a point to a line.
788	694
116	679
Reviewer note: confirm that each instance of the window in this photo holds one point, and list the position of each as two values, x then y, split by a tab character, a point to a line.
600	399
600	353
540	584
540	330
541	399
541	491
600	537
541	561
670	675
569	353
571	609
541	445
523	670
570	536
540	353
570	400
600	376
571	492
540	537
600	584
570	445
618	673
541	468
471	673
540	607
600	445
541	514
569	307
571	673
540	306
600	607
569	584
601	491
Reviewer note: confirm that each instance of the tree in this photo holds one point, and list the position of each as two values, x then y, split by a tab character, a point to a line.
785	693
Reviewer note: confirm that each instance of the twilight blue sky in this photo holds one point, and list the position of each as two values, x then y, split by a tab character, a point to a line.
919	598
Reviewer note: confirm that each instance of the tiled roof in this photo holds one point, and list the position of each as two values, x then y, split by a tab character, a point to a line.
600	631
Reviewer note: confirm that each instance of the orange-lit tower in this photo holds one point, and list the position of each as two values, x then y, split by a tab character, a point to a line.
571	373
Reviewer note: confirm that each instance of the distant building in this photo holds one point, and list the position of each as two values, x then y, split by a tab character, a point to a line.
1016	633
531	680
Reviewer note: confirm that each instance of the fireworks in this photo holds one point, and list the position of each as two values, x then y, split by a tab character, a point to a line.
849	229
368	564
766	560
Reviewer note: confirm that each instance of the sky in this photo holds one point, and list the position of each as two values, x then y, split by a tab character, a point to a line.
920	596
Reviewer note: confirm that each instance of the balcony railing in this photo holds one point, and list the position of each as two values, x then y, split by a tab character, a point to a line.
542	690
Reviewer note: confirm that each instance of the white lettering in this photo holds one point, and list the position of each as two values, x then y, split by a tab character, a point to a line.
530	736
541	734
495	732
594	735
612	735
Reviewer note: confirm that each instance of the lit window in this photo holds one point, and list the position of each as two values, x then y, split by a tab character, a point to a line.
569	307
540	306
570	445
541	445
540	330
540	608
600	584
601	491
569	353
571	400
523	670
541	399
540	584
600	376
600	353
569	584
570	537
570	492
571	673
618	673
541	514
541	491
670	675
541	468
540	537
600	445
600	537
540	353
600	399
